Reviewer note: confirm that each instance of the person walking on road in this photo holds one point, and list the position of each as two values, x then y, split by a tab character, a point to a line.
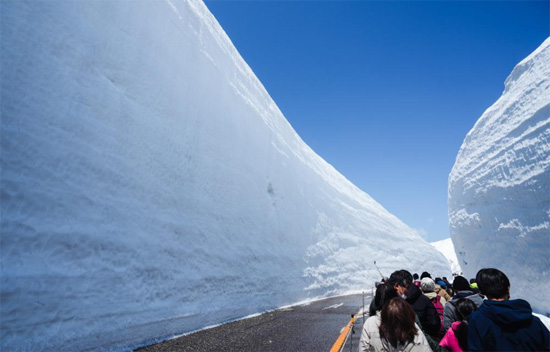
462	288
428	287
384	293
396	330
426	312
456	338
502	324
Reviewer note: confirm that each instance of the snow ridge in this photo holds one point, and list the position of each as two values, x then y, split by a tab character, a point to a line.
447	249
151	187
499	187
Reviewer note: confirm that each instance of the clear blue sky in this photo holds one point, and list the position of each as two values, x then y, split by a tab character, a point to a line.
386	91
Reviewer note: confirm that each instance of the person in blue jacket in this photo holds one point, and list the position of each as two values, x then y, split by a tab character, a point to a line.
502	324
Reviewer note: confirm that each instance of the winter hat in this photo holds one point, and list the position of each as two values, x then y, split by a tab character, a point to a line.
427	285
442	284
461	284
425	274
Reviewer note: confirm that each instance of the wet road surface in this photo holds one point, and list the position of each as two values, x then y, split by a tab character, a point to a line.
313	327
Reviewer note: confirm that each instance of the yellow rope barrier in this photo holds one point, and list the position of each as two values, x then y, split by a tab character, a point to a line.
337	347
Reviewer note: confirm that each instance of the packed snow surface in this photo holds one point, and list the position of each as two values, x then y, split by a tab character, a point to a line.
499	187
151	187
448	250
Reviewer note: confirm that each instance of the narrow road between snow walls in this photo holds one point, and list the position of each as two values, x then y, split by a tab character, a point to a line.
311	327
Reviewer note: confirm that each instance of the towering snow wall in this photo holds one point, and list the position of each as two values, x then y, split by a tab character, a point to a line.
150	186
499	188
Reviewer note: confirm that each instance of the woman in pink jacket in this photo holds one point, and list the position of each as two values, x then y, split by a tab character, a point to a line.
456	338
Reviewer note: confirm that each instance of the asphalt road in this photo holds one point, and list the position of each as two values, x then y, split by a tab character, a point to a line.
305	328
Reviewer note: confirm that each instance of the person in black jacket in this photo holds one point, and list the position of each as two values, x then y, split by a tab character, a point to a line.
502	324
401	281
426	312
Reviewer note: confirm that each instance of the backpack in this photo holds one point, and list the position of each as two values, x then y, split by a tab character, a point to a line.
436	301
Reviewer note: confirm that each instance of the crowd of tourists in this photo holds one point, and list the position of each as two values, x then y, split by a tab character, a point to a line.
412	313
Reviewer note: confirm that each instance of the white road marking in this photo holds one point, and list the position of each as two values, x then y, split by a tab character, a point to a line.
333	306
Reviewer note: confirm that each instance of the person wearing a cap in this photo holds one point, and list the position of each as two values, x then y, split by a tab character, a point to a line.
442	292
462	290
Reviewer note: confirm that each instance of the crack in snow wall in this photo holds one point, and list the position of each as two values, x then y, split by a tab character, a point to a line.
150	186
499	188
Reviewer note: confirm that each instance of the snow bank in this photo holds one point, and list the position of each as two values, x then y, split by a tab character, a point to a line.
448	250
150	186
545	320
499	187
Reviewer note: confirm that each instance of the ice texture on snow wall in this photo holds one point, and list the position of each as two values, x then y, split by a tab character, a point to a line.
499	187
151	187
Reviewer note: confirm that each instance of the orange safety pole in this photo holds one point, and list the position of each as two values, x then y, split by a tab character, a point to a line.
342	338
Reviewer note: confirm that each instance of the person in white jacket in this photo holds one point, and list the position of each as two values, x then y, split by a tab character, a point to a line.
393	329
